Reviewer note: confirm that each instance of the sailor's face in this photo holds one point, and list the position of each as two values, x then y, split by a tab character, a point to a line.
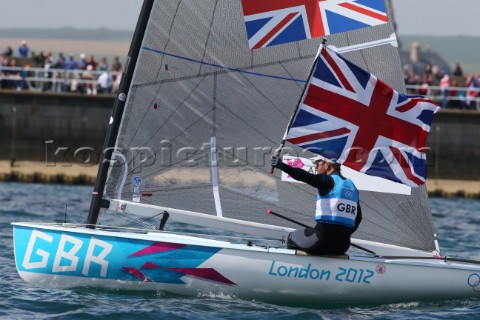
321	167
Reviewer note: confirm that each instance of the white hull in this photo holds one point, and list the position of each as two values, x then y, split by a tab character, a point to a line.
64	257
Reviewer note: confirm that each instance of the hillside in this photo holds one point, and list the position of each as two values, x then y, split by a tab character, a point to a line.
462	49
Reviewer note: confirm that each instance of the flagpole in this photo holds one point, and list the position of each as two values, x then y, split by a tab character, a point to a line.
282	145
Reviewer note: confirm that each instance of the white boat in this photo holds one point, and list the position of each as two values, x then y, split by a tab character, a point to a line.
182	192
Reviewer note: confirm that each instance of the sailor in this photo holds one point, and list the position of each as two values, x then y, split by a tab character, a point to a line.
338	213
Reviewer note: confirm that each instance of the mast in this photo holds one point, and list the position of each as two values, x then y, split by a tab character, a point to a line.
292	118
117	113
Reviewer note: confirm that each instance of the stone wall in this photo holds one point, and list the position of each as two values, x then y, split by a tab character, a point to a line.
455	145
43	123
34	126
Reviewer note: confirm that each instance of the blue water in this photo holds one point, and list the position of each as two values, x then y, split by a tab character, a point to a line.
456	220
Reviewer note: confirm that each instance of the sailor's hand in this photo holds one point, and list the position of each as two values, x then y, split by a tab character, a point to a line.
277	162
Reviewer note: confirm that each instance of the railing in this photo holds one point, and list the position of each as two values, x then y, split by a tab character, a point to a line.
59	80
451	97
106	82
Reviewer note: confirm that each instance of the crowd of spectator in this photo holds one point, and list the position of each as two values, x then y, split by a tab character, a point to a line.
452	91
45	72
86	75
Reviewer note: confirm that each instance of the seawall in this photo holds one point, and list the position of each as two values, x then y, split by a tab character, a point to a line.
34	126
68	128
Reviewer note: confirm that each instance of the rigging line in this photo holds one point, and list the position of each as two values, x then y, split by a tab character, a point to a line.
300	85
131	221
174	80
245	79
281	64
254	87
228	69
215	73
211	73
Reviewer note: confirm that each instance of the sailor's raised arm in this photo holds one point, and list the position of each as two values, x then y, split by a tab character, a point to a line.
320	181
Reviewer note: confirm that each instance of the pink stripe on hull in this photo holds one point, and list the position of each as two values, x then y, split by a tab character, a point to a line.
157	247
150	265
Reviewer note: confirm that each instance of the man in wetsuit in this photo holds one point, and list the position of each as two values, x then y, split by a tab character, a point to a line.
338	213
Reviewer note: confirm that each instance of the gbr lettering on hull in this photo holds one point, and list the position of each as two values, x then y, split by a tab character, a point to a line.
67	255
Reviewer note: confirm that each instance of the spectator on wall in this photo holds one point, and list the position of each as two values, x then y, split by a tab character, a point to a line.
472	94
103	66
116	65
104	82
23	50
445	86
88	86
8	52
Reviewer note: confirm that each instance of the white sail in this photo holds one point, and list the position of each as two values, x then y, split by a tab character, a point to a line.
197	79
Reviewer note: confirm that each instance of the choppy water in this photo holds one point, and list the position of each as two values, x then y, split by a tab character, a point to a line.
457	222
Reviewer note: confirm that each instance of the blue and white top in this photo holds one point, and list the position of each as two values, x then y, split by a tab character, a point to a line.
339	206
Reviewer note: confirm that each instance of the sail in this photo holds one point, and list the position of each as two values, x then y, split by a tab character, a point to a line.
204	111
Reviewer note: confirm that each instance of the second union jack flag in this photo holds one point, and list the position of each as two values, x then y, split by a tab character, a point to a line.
272	22
350	115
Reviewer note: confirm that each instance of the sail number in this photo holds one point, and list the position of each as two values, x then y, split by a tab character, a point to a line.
70	255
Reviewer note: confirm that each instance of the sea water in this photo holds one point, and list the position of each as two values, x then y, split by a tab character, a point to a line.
457	222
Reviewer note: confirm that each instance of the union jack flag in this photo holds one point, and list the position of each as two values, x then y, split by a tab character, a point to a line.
350	115
272	22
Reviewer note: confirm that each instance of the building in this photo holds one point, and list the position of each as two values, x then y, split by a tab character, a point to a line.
416	58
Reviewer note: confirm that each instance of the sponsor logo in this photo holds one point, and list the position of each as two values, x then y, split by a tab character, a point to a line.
381	269
474	282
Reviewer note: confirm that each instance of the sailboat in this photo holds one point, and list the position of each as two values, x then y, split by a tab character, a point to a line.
181	198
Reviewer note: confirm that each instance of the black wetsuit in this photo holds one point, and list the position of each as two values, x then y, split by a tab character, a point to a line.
324	238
